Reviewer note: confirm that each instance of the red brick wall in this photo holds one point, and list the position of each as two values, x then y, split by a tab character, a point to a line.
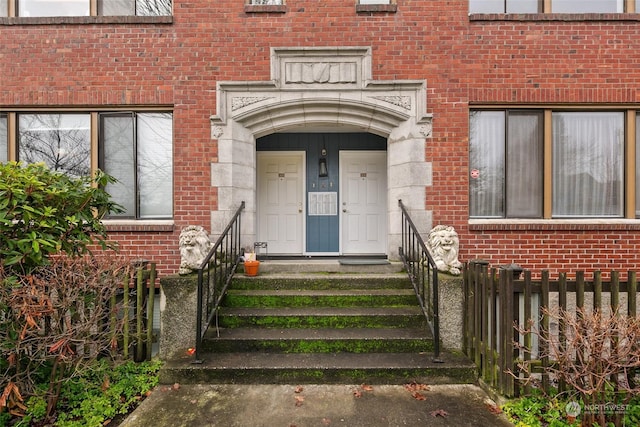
550	62
178	65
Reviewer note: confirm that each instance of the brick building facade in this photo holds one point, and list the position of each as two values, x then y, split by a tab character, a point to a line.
430	102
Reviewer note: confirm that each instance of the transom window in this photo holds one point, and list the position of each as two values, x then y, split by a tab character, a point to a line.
553	6
43	8
136	148
552	164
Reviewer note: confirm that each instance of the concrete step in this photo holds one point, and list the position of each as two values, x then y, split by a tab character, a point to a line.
322	317
328	266
349	340
318	281
319	297
320	368
320	322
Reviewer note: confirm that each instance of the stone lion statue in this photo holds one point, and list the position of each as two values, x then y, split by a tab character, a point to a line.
194	247
443	245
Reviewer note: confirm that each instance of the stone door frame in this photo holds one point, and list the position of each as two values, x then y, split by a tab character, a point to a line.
321	89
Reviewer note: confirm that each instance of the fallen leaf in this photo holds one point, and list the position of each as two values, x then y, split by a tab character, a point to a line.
414	386
439	413
176	386
495	409
357	393
191	351
366	387
299	389
299	400
105	383
418	396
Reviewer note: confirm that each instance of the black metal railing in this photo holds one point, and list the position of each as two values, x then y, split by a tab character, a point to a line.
423	273
214	276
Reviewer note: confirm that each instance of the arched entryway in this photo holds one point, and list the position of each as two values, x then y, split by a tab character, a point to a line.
322	93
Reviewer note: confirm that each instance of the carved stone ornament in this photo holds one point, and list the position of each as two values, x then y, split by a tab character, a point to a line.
443	244
321	72
400	101
194	247
239	102
426	130
216	132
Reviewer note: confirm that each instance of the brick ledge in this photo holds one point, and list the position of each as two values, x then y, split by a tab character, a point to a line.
567	17
550	225
139	226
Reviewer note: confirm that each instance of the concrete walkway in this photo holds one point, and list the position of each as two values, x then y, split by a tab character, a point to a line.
315	405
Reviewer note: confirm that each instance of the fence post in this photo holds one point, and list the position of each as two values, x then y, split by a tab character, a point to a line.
527	322
139	305
562	327
150	309
632	288
484	327
544	329
597	291
466	274
125	316
495	336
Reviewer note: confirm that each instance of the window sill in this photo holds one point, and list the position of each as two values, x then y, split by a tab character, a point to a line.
553	224
265	8
567	17
115	225
88	20
374	8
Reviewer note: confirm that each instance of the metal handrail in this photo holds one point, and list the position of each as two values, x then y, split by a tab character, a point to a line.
214	276
423	274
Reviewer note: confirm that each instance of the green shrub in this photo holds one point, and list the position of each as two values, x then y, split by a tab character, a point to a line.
43	212
105	391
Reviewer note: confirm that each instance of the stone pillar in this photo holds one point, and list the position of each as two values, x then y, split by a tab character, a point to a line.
178	303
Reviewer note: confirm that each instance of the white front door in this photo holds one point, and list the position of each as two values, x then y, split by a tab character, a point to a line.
363	206
280	196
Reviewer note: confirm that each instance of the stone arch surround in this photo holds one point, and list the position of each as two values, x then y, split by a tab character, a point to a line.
321	90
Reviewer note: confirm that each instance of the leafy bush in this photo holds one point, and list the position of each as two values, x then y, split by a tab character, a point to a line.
100	394
597	356
54	316
540	410
43	212
55	321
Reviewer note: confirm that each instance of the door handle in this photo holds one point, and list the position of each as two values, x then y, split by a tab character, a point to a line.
344	210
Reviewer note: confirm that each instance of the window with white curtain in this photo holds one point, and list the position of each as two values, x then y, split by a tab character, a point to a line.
588	164
507	164
552	6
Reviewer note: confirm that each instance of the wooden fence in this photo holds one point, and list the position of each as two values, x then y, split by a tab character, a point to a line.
496	301
138	296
